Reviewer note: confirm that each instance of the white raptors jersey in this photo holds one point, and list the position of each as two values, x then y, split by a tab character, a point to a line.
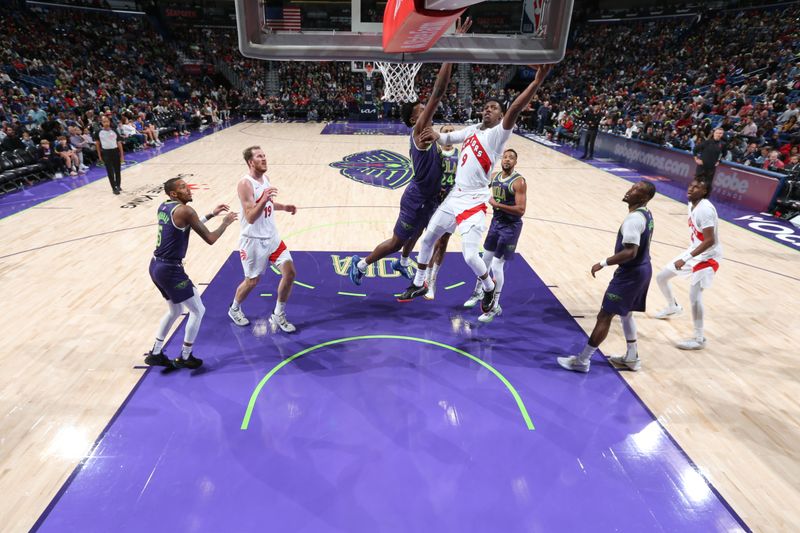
264	226
703	216
479	152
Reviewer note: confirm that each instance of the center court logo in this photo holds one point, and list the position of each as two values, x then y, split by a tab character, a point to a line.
380	168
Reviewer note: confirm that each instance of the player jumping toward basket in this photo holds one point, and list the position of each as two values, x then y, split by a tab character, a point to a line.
464	208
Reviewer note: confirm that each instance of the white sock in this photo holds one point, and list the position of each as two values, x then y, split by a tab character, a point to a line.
587	353
403	260
419	277
633	351
488	284
235	304
497	297
186	351
158	346
362	265
280	307
434	272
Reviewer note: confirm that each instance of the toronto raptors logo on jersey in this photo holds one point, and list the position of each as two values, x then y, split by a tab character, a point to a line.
695	232
480	153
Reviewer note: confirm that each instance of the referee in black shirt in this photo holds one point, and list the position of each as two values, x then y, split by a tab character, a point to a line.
708	154
592	120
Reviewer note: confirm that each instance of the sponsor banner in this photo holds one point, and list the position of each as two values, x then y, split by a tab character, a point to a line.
733	184
771	227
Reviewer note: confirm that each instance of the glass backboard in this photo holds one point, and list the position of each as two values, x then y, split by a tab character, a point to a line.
507	32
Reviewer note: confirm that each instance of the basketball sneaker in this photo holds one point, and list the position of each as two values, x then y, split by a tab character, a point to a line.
413	292
431	294
355	273
669	311
485	318
692	344
488	302
280	321
405	271
622	361
157	359
237	315
573	363
190	362
477	295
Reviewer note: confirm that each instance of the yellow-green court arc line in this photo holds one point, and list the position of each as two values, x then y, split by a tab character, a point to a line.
254	396
343	293
454	285
304	285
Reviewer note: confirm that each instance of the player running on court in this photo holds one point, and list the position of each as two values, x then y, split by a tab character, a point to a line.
627	291
464	208
699	262
175	219
259	242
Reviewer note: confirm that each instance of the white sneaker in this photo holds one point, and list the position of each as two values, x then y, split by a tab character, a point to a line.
669	311
623	361
237	315
485	318
431	294
281	322
573	363
477	296
692	344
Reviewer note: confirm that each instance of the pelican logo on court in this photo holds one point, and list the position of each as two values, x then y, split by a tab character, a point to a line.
380	168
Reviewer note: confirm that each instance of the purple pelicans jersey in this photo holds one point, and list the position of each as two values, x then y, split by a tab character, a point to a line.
421	196
627	290
166	269
505	228
449	166
172	242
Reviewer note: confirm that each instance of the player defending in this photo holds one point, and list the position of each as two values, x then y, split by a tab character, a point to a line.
175	217
419	200
509	196
259	243
464	208
627	291
449	156
700	261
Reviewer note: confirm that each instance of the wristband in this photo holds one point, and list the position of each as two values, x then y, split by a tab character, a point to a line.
604	263
205	218
685	257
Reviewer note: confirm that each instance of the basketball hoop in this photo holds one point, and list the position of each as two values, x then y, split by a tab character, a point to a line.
398	81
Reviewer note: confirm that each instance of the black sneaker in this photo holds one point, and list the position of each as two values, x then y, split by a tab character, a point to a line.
413	292
190	362
157	359
487	303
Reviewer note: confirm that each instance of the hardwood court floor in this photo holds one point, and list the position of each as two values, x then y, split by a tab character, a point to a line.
80	308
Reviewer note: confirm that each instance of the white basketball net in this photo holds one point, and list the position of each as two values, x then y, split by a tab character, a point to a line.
398	81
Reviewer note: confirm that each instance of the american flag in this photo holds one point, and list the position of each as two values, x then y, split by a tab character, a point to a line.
283	18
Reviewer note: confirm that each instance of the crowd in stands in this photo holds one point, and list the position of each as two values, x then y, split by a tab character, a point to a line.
108	65
667	81
682	78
